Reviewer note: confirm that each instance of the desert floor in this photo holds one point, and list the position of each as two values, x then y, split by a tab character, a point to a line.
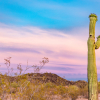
81	98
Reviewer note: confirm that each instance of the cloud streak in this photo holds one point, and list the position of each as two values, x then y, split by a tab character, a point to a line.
65	50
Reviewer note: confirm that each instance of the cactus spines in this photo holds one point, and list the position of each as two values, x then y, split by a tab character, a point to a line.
92	70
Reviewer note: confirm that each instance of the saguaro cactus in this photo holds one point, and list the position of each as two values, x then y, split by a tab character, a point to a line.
92	70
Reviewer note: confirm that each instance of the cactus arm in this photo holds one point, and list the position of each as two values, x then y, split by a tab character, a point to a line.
97	45
92	70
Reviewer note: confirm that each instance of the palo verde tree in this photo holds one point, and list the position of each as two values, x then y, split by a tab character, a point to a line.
92	70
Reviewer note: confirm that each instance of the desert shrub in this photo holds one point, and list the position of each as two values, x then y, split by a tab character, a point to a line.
98	87
39	96
84	91
22	76
36	92
61	89
73	91
49	85
0	90
14	85
81	84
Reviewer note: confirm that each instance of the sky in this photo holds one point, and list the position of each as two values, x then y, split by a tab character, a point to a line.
56	29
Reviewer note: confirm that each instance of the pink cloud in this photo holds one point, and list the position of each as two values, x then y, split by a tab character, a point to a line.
22	43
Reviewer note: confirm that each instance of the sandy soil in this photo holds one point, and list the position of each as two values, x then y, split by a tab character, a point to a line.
81	98
56	97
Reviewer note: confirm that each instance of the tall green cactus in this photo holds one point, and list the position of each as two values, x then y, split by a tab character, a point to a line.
92	70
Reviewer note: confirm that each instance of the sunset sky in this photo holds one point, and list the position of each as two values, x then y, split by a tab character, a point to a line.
57	29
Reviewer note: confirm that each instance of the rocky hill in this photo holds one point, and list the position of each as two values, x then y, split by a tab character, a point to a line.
50	77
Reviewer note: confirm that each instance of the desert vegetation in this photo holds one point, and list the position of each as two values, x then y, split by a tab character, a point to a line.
37	86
